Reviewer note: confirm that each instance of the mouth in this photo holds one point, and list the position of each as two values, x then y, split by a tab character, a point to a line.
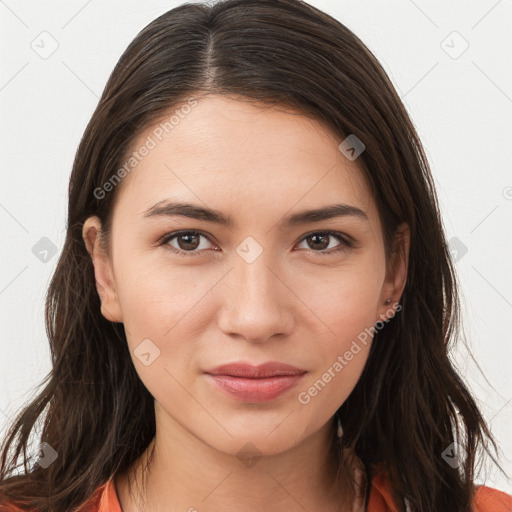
255	384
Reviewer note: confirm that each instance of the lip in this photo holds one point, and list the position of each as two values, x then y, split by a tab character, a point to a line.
249	371
255	384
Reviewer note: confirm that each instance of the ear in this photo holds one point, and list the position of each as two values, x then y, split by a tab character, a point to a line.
103	272
396	273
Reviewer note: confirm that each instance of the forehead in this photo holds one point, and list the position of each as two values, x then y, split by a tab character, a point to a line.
223	151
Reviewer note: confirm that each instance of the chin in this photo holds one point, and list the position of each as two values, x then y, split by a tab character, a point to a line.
254	446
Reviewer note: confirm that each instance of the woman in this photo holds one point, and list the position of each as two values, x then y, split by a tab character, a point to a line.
254	303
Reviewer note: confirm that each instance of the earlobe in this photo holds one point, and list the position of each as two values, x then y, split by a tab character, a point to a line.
104	277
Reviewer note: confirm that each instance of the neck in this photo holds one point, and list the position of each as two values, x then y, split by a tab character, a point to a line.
185	474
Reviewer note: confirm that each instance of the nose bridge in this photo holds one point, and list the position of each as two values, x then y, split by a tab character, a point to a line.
255	282
255	279
255	304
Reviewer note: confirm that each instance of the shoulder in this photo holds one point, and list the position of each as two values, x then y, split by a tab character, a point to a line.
488	499
104	499
101	500
7	506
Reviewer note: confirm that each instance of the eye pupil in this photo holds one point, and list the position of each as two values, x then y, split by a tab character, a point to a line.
323	245
191	245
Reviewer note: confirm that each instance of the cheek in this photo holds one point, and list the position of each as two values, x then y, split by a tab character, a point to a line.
162	317
340	356
347	308
167	306
347	301
155	295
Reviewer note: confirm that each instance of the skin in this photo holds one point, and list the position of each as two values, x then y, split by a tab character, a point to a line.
292	304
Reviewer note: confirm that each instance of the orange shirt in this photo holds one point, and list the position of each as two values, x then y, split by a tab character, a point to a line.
487	499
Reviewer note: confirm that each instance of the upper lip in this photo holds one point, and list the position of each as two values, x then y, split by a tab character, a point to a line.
247	370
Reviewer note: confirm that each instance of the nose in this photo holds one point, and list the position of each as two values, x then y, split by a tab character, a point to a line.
257	303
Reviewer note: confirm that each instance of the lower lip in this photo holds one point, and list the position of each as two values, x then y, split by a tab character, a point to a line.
255	390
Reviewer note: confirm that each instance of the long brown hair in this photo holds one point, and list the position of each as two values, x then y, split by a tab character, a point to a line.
410	403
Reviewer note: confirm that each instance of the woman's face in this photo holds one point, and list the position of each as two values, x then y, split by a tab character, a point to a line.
266	287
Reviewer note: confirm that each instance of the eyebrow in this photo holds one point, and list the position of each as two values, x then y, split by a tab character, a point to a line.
172	208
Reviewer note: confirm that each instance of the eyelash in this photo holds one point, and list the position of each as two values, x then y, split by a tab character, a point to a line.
344	246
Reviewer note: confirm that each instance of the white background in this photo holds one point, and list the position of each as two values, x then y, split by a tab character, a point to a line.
462	108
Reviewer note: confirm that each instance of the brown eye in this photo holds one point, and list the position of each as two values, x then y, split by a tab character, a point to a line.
188	243
320	241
